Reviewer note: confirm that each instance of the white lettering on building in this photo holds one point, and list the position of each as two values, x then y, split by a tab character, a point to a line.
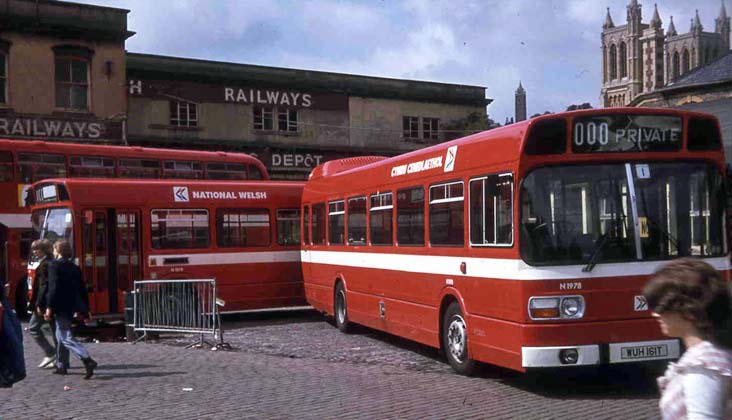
37	127
267	97
418	166
296	160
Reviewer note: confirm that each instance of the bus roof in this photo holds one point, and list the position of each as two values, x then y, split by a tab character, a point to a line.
497	146
138	152
116	192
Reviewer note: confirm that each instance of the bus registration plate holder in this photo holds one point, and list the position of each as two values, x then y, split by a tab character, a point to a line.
645	350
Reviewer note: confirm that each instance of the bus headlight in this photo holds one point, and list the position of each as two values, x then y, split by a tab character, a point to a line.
556	307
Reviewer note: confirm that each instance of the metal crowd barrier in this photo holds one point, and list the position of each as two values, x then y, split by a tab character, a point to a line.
177	306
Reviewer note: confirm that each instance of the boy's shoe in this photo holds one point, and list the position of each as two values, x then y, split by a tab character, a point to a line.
46	362
89	365
59	371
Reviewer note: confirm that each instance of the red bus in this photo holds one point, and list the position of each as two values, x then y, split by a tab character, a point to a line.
25	162
525	246
246	234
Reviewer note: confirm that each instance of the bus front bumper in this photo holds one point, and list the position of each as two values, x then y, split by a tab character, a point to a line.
596	354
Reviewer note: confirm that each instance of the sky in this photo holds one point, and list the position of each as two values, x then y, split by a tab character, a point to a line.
551	46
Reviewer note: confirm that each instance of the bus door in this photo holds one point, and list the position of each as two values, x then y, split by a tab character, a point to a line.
127	246
95	258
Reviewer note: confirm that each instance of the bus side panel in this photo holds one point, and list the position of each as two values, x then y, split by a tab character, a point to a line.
495	341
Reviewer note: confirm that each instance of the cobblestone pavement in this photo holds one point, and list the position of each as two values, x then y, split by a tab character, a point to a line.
295	365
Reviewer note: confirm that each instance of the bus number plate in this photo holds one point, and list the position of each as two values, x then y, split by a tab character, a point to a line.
574	285
644	352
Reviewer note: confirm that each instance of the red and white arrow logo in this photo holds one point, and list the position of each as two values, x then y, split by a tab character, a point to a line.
180	194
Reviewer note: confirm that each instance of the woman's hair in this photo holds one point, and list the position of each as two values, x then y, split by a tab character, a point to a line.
43	245
63	248
696	291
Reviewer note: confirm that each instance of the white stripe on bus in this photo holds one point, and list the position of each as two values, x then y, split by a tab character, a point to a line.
16	221
230	258
491	268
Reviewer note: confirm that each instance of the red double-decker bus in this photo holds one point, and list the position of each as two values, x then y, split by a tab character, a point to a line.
25	162
525	246
245	234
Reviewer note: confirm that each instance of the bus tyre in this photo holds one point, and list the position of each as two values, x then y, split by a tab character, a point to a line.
341	309
455	340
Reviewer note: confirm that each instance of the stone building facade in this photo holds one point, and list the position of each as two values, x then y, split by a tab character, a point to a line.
639	58
62	71
291	119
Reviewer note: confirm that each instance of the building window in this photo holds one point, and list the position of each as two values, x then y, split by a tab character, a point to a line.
263	118
676	69
623	60
3	78
410	126
72	83
685	62
429	128
287	120
183	114
613	63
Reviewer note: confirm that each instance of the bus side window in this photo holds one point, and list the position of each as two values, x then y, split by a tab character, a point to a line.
410	216
226	171
446	214
139	168
184	169
6	166
288	226
491	210
38	166
381	213
318	224
91	167
179	229
242	227
306	225
255	173
336	222
357	221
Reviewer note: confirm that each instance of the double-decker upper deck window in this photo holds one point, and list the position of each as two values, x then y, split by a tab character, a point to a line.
6	166
410	127
72	83
139	168
242	227
336	218
37	166
287	120
410	216
183	114
357	221
380	218
179	229
255	173
288	226
491	210
446	214
224	171
91	167
430	127
263	118
318	224
182	169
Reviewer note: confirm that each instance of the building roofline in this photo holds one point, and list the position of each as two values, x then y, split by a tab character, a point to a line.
194	69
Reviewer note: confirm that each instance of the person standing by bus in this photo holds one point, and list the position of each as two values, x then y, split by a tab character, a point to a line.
42	251
692	302
64	300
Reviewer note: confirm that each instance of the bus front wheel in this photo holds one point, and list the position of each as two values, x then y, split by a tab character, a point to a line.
455	340
341	309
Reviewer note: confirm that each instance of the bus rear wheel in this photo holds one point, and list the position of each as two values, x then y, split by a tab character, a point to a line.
341	309
455	340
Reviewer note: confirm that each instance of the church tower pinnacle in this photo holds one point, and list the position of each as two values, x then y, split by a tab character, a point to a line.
722	26
520	103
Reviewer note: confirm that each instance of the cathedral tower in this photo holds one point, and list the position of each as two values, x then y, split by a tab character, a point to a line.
520	103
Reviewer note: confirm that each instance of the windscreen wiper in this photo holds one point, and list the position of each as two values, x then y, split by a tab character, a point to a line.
596	252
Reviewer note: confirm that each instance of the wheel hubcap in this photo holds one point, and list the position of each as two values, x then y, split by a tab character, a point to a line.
341	310
456	338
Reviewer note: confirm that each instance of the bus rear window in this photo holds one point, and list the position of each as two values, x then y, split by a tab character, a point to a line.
38	166
242	227
139	168
183	169
6	166
288	226
179	229
226	171
91	167
703	134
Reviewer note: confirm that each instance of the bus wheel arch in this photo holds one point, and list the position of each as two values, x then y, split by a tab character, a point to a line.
454	336
340	306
